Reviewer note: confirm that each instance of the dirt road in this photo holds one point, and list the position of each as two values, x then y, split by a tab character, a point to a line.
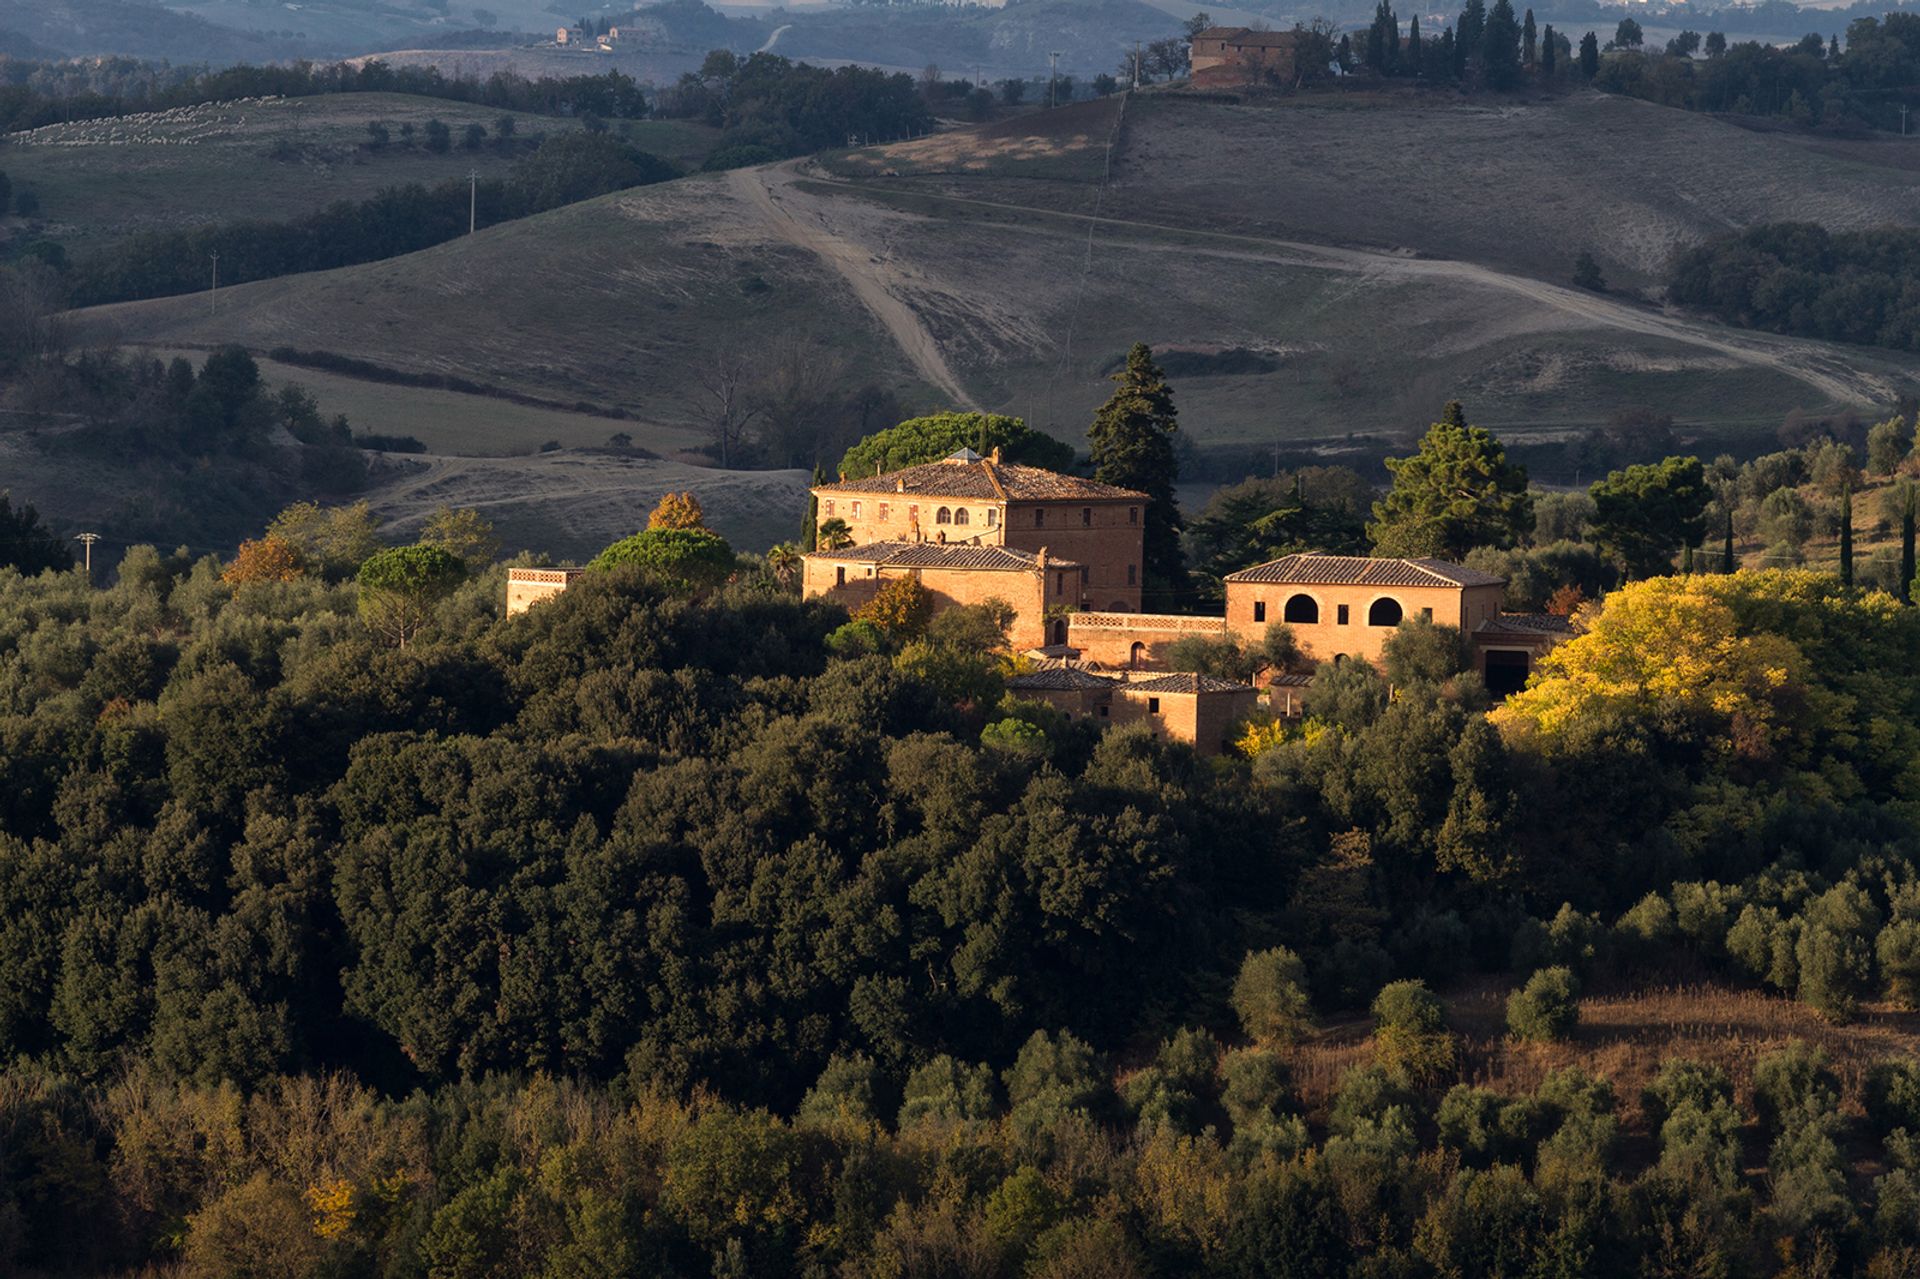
794	216
1804	361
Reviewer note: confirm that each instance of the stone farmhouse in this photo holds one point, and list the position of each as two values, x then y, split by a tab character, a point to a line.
1065	554
1240	55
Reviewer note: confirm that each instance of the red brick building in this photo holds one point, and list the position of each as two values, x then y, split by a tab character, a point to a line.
1240	55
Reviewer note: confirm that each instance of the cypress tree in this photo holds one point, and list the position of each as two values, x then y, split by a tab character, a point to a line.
1415	53
1729	564
1500	47
1131	442
1906	493
1589	56
810	526
1846	536
1546	51
1529	41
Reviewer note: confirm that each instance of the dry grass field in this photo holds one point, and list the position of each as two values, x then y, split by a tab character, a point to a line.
1625	1038
1321	272
102	180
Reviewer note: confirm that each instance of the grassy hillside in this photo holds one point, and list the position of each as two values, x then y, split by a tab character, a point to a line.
102	180
1313	273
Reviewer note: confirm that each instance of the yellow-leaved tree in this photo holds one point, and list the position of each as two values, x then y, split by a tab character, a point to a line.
1786	667
678	510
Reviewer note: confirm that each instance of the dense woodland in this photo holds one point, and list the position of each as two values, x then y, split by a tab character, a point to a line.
680	926
1800	278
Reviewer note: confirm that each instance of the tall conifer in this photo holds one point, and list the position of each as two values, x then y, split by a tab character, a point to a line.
1131	442
1414	63
1846	536
1529	42
1906	496
1547	53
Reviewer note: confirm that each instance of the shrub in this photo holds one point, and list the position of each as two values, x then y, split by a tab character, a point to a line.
1254	1093
1898	950
1015	737
1178	1084
1410	1036
1270	994
1368	1094
1052	1077
269	559
1792	1081
856	639
900	608
1893	1096
945	1089
1546	1008
844	1092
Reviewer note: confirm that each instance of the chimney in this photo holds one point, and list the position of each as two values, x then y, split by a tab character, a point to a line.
899	486
994	457
1042	557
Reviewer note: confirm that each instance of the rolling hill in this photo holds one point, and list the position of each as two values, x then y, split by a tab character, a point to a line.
1317	274
100	181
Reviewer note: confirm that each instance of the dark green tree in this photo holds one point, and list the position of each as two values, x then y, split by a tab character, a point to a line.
1383	40
1646	514
1415	61
1586	273
1906	500
1529	41
1846	536
399	587
1131	441
1467	33
1589	56
1727	562
1548	55
1500	47
938	435
26	543
1457	492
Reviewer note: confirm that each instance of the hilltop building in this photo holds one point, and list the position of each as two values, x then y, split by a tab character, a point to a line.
1241	55
1065	554
966	499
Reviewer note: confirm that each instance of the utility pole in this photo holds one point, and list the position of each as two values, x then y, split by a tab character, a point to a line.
1903	119
1053	67
473	200
1136	66
87	540
213	294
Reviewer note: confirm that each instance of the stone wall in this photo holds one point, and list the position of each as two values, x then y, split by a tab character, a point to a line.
1109	638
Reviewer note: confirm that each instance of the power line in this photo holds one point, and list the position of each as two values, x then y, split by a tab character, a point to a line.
87	540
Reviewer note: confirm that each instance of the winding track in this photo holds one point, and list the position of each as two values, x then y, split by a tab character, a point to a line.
875	282
770	191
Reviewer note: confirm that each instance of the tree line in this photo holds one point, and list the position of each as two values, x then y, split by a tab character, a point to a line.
36	94
565	169
1819	80
1802	279
770	106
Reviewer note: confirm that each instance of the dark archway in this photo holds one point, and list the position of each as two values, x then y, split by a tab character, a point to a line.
1507	672
1301	608
1384	612
1060	631
1136	655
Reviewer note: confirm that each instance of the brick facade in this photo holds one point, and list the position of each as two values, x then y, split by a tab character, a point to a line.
1135	641
1032	585
1333	618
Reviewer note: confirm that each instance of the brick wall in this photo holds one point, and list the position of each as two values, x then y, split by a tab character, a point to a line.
1104	536
1108	638
1460	607
528	586
1029	593
1200	719
905	517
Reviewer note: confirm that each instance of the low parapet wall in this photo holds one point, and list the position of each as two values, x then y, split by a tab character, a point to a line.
1109	638
528	586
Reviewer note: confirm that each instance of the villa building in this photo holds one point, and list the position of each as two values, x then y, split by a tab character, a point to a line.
1033	584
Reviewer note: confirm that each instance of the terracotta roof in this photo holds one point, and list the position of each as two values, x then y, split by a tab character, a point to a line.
1188	683
1292	679
941	555
1525	624
1314	569
1247	37
1060	679
967	475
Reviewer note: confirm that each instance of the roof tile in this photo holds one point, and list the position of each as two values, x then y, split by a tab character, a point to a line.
1188	683
1315	569
985	480
941	555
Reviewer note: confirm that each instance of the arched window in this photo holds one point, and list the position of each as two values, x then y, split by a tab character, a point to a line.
943	516
1136	655
960	516
1301	608
1384	612
1060	630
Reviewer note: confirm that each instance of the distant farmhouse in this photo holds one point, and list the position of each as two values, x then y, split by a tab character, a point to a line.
1065	554
1222	56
